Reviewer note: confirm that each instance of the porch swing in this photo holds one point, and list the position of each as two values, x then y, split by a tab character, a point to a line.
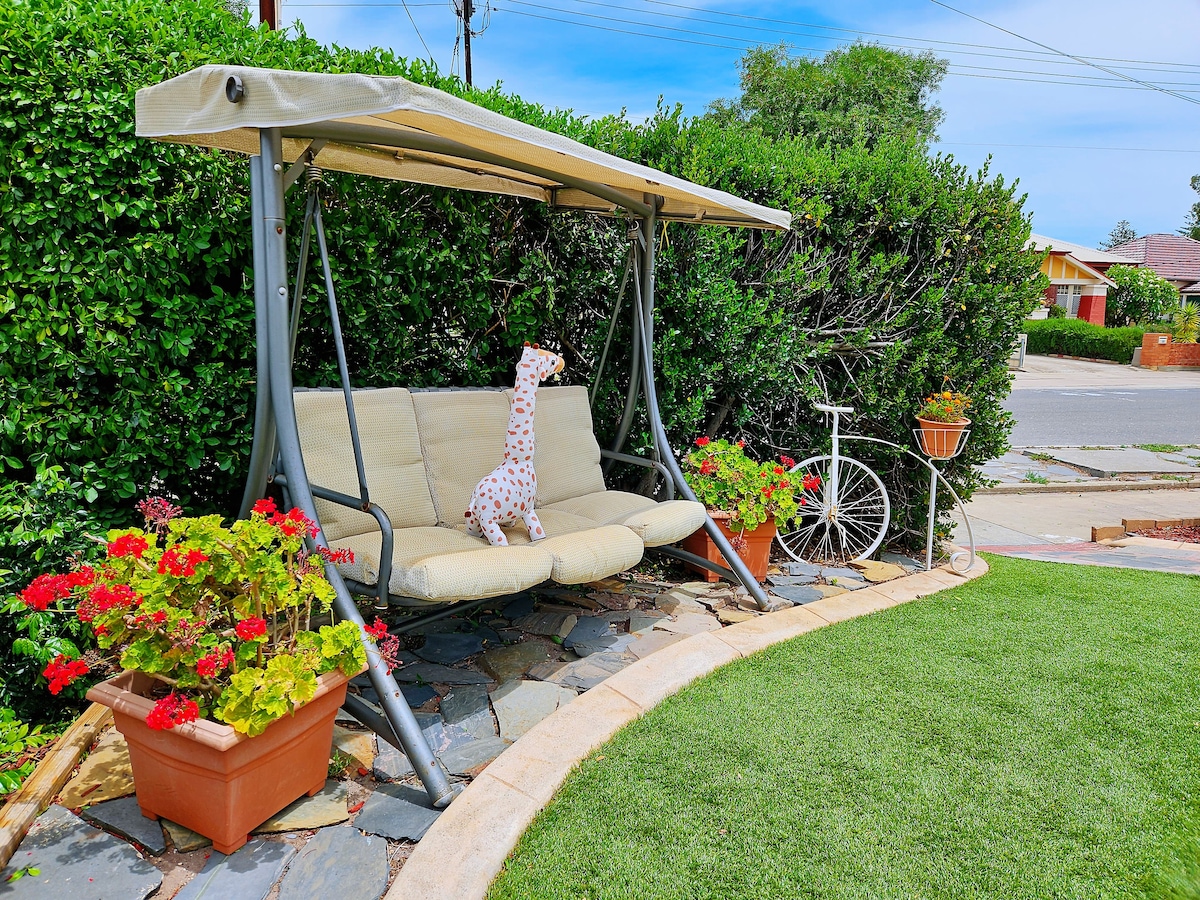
386	472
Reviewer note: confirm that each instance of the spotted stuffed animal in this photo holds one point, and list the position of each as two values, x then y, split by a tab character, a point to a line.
506	495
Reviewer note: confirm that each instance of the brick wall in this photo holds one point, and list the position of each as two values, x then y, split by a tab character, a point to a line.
1155	354
1092	303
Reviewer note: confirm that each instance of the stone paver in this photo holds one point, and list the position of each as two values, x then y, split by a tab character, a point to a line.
613	643
247	874
801	568
584	674
674	601
104	775
798	593
338	863
448	649
183	839
519	705
874	571
467	759
652	643
643	622
417	694
688	623
548	624
358	745
467	707
398	812
506	663
522	606
326	807
124	818
733	616
588	628
1123	461
390	763
429	673
76	861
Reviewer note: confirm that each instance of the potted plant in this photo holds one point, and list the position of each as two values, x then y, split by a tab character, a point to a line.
229	689
747	499
942	419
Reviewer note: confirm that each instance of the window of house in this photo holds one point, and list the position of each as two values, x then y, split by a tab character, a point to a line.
1067	296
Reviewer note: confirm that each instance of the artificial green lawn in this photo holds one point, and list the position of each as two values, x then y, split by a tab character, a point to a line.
1032	734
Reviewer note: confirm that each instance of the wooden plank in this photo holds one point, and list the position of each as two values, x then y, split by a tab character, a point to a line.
48	778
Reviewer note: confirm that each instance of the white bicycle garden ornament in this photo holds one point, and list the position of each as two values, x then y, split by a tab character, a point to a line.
845	518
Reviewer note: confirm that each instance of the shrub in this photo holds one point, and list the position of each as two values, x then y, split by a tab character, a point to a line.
1142	296
1078	337
1185	323
126	316
1056	312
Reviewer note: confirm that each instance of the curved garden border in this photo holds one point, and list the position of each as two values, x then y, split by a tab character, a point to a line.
463	852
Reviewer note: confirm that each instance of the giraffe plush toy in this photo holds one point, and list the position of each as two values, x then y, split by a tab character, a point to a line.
506	495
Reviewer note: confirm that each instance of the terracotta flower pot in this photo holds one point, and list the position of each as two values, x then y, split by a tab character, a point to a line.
940	440
755	552
213	780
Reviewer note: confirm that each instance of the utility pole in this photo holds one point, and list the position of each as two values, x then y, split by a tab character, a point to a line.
268	11
466	17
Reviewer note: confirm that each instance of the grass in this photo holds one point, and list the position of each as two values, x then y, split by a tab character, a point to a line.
1160	448
1042	457
1032	734
1035	478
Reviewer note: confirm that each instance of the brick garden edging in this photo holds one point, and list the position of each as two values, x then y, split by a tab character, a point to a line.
467	846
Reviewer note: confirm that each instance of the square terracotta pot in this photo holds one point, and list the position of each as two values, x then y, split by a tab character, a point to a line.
756	553
213	780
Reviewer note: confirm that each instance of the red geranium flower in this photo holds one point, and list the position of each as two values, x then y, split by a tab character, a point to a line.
181	565
62	671
128	545
787	461
702	442
264	507
172	710
779	470
250	629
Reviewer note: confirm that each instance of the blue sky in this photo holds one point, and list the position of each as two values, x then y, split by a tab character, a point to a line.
577	54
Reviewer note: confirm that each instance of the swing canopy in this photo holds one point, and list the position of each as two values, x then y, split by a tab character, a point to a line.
359	121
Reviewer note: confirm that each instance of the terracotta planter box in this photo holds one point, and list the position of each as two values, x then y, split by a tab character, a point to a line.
756	553
940	440
210	778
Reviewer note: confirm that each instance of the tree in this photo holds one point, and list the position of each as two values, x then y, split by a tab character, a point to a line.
855	93
1142	296
1191	226
1122	233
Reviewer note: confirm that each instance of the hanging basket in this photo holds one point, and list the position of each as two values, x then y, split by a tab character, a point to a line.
942	440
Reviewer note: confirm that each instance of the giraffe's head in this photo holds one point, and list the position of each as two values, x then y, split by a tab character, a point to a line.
543	362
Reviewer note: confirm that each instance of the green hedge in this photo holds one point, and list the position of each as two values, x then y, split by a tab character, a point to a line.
126	311
1078	337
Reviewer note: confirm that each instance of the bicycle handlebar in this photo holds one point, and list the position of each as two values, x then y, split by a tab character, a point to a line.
823	407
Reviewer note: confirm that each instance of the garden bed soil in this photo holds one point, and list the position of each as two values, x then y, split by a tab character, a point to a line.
1189	534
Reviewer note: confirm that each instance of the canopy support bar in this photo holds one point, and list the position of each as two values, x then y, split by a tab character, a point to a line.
274	275
644	299
386	137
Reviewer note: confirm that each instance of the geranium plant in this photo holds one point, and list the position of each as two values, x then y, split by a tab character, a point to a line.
221	618
725	479
944	406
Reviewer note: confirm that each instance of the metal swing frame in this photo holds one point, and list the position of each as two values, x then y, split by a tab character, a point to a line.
390	128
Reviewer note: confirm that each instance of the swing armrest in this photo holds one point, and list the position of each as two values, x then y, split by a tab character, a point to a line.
644	463
385	527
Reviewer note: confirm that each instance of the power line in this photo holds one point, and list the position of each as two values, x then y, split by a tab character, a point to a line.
1064	147
1022	37
743	43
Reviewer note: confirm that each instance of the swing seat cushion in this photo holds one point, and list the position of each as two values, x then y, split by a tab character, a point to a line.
655	523
441	565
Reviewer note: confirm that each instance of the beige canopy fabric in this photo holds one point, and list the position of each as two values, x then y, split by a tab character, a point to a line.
371	124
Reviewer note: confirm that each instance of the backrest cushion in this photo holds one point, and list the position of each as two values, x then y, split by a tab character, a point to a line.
462	439
566	456
395	471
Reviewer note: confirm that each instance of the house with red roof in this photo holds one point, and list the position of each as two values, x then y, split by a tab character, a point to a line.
1173	256
1077	280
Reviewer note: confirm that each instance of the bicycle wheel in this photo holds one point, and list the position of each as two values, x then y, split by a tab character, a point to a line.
834	531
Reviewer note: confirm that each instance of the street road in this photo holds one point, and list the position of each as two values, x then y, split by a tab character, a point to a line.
1061	402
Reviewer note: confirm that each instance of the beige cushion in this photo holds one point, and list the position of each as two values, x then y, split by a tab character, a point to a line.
462	439
582	551
655	523
566	456
395	472
443	564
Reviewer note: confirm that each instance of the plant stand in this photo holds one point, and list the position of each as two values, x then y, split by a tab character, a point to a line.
213	780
